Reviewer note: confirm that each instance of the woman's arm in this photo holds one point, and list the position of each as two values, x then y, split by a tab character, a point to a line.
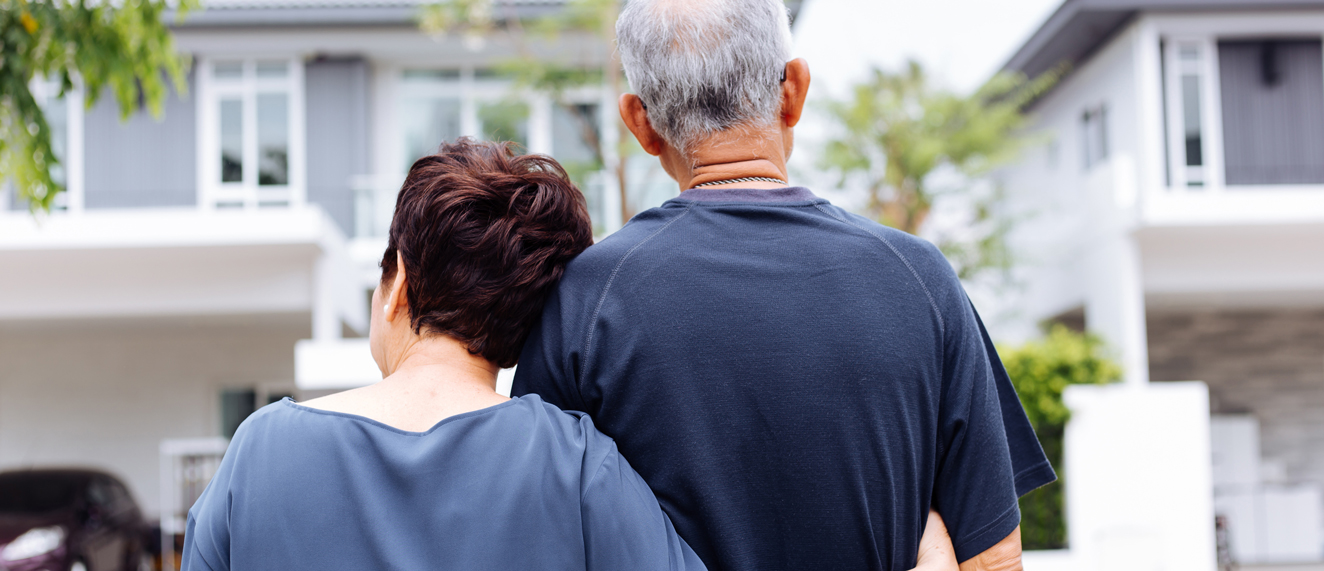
624	528
935	547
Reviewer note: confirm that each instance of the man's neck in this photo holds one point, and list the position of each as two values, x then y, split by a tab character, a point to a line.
731	155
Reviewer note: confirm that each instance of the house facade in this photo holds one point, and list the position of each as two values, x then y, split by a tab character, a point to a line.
221	257
1176	208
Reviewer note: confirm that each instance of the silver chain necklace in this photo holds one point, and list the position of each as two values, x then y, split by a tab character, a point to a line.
744	179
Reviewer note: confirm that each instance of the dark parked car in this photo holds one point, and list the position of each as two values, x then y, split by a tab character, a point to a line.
68	520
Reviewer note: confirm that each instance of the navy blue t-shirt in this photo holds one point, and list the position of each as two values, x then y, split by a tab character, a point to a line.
797	384
519	485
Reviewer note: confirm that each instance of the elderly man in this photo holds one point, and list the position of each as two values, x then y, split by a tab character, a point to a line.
798	385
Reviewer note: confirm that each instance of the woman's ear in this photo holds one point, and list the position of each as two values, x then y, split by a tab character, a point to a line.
396	302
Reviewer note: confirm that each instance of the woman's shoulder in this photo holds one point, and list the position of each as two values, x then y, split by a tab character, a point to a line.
568	423
568	431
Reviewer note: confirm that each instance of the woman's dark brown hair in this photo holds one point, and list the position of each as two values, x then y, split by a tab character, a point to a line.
484	235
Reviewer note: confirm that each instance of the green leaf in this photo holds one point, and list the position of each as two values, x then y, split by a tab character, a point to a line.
124	45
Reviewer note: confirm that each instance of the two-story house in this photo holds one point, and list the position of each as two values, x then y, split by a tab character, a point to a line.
1176	207
165	296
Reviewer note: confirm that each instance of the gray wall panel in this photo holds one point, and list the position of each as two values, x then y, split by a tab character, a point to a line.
1273	111
336	99
141	162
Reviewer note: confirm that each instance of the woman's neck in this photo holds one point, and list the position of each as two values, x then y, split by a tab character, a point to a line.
431	379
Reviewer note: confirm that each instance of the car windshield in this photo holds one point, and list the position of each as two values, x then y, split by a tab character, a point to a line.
37	492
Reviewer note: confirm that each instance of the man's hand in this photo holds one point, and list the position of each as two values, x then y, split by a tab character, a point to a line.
935	548
1005	556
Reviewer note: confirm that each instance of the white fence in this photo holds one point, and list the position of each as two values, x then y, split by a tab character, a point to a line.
187	465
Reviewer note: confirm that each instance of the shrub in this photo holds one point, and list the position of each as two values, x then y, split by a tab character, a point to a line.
1041	370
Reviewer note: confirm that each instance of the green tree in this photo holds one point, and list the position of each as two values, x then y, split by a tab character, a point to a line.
123	45
1041	371
898	129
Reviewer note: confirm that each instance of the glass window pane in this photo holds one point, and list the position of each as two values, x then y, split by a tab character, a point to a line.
228	70
232	140
1190	103
273	69
504	121
575	139
1094	127
273	139
236	405
57	119
430	75
426	122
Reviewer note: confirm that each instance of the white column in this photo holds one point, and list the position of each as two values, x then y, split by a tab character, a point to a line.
204	169
1115	291
611	157
468	103
540	124
326	320
298	136
1152	157
74	149
387	146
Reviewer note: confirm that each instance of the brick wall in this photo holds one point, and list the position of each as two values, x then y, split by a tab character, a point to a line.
1267	362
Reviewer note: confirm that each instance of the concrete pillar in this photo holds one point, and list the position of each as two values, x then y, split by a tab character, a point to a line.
1115	290
1115	304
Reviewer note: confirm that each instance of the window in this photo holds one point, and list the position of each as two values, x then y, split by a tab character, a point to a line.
250	151
1094	130
576	144
1186	67
65	122
238	403
441	105
504	121
429	111
432	106
1052	154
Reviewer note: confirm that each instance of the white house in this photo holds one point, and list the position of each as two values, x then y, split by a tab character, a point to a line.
1176	208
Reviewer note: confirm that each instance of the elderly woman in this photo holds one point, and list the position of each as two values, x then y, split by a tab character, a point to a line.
431	468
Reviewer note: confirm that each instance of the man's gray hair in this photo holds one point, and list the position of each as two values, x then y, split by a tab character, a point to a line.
704	66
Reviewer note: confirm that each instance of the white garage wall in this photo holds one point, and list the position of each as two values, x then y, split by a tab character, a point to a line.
104	393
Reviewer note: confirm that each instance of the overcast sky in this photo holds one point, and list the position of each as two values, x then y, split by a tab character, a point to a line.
962	42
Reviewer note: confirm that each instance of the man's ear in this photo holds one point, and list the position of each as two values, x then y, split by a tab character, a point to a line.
396	302
794	91
636	119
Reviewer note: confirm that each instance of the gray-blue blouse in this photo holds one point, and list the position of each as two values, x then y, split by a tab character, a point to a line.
520	485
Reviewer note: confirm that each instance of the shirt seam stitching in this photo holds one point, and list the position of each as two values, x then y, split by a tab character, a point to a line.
1036	467
594	477
597	310
986	527
942	326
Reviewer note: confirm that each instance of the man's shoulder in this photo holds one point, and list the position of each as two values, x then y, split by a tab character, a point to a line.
920	256
635	233
876	234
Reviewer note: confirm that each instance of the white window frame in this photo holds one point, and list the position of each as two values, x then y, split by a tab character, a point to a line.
248	194
471	91
72	199
1211	114
1099	113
